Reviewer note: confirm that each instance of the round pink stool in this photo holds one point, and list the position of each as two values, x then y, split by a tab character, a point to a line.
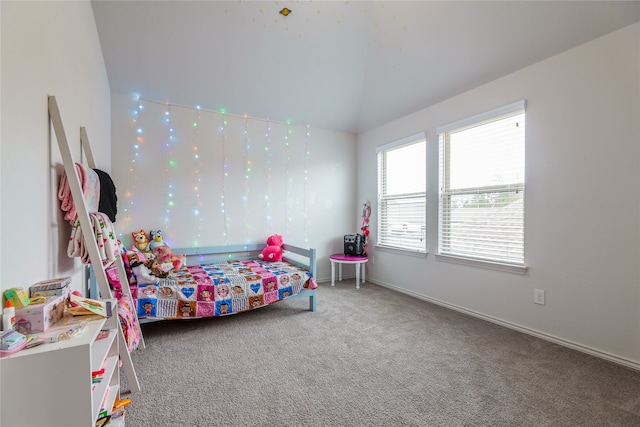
340	259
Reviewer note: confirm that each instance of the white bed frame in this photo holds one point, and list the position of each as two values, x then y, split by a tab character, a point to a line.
303	258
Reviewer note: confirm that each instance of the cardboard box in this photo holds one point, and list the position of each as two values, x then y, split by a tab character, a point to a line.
59	286
40	317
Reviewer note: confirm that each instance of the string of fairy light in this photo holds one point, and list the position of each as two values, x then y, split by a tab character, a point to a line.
170	164
247	174
267	138
131	172
197	204
287	203
306	183
238	211
225	174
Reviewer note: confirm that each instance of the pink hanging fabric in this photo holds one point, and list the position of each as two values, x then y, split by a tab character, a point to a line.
90	183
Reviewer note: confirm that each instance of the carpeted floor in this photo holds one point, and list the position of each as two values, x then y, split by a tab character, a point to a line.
370	357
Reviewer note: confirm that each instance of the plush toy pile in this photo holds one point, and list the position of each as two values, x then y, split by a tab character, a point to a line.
150	258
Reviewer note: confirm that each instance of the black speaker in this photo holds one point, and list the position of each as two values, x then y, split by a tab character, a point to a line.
354	244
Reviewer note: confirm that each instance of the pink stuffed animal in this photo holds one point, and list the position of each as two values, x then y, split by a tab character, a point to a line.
273	251
165	255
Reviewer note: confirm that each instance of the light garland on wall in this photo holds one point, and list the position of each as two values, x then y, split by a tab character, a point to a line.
306	181
133	155
225	174
170	164
247	175
267	196
197	204
287	205
243	226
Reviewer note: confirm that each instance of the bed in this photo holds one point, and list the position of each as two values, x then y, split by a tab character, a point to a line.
226	280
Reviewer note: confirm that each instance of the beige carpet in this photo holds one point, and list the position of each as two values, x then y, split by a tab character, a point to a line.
370	357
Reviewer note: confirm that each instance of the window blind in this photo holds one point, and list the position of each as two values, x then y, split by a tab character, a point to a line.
481	209
402	195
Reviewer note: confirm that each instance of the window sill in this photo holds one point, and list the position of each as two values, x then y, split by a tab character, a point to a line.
509	268
410	252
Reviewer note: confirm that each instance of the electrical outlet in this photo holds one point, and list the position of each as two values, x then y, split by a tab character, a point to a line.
538	296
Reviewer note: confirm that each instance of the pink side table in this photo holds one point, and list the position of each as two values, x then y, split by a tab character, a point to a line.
340	259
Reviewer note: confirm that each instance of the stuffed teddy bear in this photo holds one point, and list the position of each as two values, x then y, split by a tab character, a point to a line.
143	275
273	251
156	240
165	255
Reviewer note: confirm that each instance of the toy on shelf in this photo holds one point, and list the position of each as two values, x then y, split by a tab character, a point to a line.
17	296
40	317
366	214
45	288
12	341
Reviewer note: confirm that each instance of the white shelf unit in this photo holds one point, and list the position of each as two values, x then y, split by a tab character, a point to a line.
51	385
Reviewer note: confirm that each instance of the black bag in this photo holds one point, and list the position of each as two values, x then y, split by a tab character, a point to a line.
354	244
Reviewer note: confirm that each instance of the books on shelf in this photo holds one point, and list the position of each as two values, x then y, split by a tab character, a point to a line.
81	306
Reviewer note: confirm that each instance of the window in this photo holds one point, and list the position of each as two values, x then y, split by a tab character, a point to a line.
482	187
402	194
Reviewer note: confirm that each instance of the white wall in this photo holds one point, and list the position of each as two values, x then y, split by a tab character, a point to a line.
582	242
583	180
301	182
48	48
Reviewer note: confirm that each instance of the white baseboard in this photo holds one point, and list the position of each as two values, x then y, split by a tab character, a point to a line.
575	346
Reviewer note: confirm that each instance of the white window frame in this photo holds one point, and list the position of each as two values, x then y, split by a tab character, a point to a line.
447	249
411	239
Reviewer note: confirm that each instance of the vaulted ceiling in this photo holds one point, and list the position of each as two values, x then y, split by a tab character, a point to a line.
341	65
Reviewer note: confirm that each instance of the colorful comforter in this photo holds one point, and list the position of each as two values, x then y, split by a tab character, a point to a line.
221	289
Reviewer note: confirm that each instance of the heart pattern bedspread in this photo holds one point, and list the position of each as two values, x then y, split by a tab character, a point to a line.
221	289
